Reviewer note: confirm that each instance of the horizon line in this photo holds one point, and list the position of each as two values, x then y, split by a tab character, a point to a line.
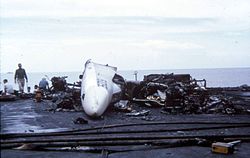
248	67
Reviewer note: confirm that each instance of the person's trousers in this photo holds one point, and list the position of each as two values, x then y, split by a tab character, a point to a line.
21	83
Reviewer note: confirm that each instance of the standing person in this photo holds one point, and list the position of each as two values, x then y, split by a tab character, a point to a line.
20	77
8	88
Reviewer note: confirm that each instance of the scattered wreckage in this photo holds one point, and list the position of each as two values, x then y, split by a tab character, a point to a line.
179	93
101	86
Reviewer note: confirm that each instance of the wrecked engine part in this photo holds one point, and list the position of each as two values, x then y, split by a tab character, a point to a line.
59	83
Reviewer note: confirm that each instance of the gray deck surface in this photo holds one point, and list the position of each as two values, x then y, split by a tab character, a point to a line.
27	116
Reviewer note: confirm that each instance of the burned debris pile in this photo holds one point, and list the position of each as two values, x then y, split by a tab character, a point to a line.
64	95
172	93
179	93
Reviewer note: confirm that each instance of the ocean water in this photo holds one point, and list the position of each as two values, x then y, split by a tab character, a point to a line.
221	77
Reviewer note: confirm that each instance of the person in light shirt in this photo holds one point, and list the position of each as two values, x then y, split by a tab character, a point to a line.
44	84
8	88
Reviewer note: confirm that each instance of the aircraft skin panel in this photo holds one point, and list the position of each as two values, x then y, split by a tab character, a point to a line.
97	88
96	101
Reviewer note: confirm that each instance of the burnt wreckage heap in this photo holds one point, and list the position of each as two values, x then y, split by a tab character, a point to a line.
179	93
173	93
66	96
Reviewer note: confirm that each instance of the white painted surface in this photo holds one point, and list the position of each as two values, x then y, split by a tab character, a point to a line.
97	88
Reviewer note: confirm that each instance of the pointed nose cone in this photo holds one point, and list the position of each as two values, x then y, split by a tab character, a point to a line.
95	101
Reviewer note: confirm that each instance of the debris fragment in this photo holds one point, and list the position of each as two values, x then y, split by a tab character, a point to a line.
123	105
27	147
80	120
136	113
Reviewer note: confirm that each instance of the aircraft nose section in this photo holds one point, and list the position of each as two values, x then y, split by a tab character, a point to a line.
95	101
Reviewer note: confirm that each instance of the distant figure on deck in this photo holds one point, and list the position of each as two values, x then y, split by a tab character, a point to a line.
8	88
44	84
20	76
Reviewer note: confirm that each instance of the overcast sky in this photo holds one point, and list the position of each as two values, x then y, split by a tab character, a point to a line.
60	35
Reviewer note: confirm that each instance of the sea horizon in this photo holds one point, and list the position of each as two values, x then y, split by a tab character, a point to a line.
215	77
164	69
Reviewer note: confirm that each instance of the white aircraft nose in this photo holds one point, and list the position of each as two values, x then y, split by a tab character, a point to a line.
95	101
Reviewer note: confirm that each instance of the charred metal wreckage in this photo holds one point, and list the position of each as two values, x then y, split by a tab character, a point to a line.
171	93
179	93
